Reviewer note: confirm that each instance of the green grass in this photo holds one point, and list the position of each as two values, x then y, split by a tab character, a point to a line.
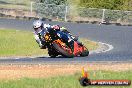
70	81
18	43
91	45
22	43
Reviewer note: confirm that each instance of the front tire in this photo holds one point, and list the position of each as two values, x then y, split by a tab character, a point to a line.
85	52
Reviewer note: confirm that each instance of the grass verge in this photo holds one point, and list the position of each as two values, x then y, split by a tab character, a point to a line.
70	81
22	43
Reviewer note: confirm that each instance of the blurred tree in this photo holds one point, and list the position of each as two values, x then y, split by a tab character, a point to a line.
127	5
107	4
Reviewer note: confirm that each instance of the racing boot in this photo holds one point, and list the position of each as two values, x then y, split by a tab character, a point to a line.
75	38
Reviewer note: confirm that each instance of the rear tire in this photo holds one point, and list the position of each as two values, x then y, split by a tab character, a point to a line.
53	56
52	52
62	51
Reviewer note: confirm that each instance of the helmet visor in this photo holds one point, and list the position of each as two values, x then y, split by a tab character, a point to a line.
38	30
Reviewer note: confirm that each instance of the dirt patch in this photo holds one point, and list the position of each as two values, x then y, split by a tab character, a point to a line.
42	71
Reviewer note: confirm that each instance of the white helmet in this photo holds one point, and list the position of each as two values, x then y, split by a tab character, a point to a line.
37	24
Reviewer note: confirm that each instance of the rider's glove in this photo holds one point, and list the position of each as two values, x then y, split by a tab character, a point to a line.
42	46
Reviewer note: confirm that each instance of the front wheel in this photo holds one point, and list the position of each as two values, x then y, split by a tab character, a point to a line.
63	48
85	52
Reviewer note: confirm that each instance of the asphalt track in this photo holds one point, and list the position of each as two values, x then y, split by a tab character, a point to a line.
118	36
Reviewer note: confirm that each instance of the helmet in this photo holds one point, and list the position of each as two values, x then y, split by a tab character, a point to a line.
37	25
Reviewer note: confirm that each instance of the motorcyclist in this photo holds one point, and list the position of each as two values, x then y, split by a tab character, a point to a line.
38	26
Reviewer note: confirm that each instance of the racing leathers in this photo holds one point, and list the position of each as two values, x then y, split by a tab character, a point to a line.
39	40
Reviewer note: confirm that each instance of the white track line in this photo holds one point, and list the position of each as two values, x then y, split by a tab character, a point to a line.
110	47
103	47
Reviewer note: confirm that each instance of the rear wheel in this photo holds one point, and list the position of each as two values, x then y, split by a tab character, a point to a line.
63	48
53	56
52	52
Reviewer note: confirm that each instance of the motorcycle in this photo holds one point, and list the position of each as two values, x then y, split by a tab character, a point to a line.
57	44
